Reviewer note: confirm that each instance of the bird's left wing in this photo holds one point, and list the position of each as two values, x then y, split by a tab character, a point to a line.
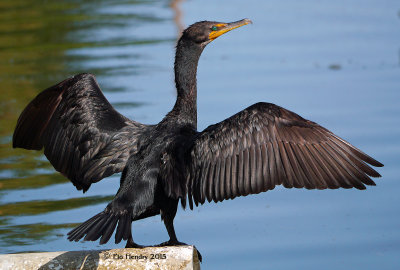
264	146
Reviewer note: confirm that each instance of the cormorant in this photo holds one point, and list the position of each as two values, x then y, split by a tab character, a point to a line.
262	146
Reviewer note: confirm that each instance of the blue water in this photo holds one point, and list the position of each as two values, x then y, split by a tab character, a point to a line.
334	62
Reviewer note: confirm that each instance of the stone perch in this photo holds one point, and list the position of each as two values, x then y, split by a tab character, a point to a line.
174	258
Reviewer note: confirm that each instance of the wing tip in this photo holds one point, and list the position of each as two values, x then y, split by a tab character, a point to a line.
377	164
372	184
369	160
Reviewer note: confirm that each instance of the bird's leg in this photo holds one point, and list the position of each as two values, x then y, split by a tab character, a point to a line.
168	217
173	241
169	225
131	244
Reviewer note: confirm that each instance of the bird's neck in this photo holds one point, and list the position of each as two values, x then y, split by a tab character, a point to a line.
186	60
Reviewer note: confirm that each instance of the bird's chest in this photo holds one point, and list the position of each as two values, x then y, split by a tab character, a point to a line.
163	150
159	152
171	158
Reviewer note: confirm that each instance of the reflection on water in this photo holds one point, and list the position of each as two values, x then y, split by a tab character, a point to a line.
175	5
334	62
45	206
42	43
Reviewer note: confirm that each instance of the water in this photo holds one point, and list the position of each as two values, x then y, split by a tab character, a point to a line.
334	62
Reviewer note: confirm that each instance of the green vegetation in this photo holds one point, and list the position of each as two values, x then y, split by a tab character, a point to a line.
45	206
42	43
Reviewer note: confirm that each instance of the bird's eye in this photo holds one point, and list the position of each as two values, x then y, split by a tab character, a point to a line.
214	28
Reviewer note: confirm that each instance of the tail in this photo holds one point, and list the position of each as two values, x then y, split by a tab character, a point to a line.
103	225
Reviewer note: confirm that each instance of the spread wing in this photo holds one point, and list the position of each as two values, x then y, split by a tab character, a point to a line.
266	145
83	136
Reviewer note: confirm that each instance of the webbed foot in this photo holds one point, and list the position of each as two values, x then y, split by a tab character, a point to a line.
131	244
177	243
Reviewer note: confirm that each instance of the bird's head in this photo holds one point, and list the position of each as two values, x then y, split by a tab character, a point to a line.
204	32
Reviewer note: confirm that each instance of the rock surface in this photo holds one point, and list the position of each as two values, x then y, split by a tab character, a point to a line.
174	258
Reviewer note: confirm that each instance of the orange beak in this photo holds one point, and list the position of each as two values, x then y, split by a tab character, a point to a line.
226	27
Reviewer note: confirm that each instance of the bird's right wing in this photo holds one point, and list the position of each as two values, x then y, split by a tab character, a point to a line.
264	146
83	136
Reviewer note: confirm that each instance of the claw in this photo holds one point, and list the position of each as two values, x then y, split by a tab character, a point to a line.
177	243
131	244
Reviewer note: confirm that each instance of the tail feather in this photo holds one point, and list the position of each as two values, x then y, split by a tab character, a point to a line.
103	225
127	227
82	229
77	233
120	229
108	231
98	229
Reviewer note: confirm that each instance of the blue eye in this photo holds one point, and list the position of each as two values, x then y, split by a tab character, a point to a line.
214	28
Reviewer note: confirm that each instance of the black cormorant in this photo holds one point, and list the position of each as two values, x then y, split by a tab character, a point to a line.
264	145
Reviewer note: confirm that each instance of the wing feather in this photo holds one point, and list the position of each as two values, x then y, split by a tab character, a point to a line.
234	176
264	146
83	136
